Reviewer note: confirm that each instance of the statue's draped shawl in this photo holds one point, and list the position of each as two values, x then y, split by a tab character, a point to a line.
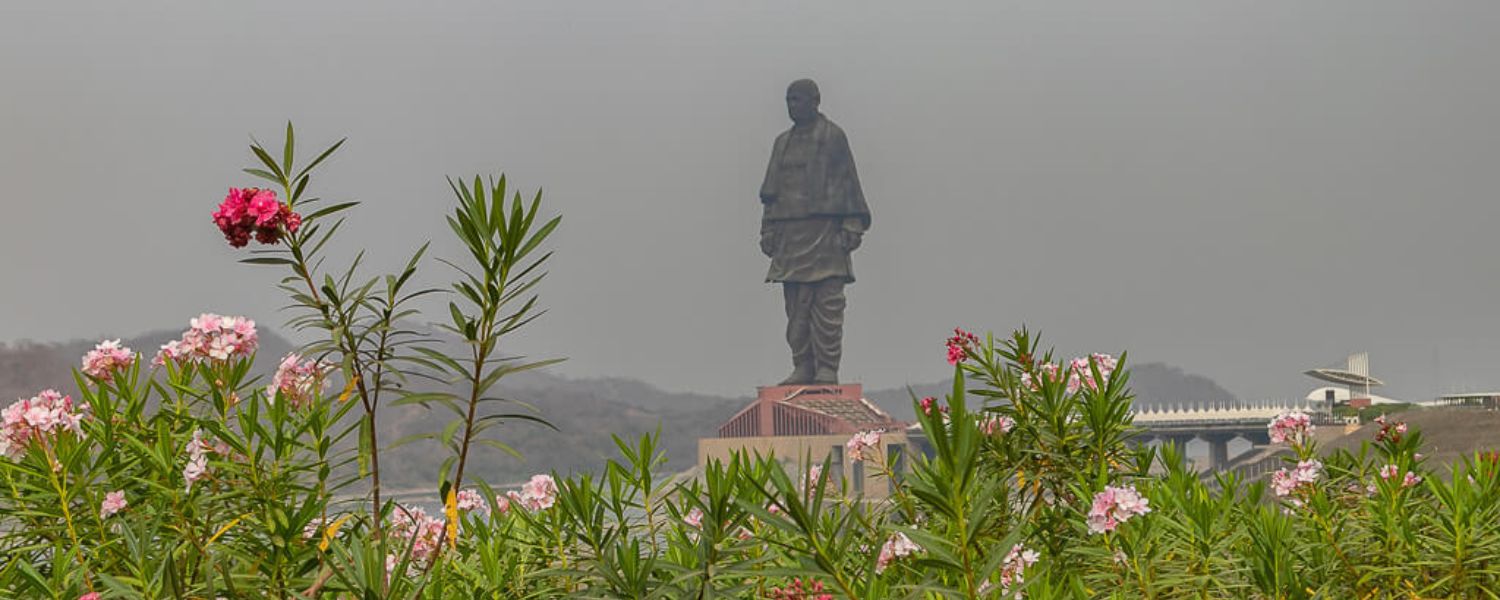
832	183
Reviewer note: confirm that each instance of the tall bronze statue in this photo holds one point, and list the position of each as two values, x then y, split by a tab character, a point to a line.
814	217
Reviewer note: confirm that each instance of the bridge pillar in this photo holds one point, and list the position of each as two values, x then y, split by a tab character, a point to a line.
1218	449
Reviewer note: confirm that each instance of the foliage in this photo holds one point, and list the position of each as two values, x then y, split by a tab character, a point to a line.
191	478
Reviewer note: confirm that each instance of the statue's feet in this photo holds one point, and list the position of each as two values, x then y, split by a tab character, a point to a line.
799	376
826	375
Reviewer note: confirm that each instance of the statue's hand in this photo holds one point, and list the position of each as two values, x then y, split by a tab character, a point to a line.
852	240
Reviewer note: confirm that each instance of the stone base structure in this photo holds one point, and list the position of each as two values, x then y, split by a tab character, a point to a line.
803	425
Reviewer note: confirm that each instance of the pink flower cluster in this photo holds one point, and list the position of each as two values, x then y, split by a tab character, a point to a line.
994	424
1080	373
211	337
799	591
1297	481
413	527
1083	374
35	419
1389	431
1292	426
113	502
298	380
254	211
811	478
106	358
961	346
694	518
1409	479
537	494
469	500
197	450
863	445
896	547
1013	570
1116	505
930	406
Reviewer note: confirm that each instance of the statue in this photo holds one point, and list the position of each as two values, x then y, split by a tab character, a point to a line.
814	217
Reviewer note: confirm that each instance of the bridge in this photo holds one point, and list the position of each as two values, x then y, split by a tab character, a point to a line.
1217	425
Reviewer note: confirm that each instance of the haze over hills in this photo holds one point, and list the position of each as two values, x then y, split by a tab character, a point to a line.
586	412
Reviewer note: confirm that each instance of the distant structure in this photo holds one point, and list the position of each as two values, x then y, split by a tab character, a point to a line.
1485	400
809	423
1354	378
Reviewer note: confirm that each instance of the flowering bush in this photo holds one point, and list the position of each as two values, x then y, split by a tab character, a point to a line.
189	477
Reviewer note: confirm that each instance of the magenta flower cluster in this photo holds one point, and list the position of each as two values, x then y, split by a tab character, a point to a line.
1388	430
799	591
106	358
1292	426
254	212
961	346
37	419
211	337
298	380
1116	505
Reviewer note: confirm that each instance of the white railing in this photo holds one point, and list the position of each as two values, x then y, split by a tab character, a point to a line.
1252	412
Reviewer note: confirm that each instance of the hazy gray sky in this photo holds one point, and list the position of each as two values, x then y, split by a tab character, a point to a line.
1243	190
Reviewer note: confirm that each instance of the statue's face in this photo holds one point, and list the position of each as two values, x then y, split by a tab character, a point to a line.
801	105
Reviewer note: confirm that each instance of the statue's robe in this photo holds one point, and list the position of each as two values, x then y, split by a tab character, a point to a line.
812	203
814	214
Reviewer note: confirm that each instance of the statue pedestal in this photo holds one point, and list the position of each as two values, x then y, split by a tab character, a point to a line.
808	424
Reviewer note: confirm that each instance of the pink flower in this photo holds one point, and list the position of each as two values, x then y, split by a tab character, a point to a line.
1293	427
423	533
113	502
811	478
863	445
961	346
1082	375
197	451
298	380
211	337
694	518
89	596
1012	571
996	424
39	418
107	357
254	212
1408	478
539	493
472	500
1114	506
896	547
1287	482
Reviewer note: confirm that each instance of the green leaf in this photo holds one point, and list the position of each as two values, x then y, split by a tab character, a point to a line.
270	163
320	157
286	154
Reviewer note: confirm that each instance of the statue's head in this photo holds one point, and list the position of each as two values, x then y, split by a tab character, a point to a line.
802	100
